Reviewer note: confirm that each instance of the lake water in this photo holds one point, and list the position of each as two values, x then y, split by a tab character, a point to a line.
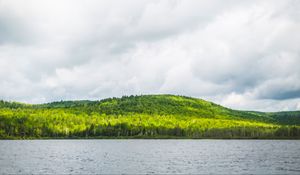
150	156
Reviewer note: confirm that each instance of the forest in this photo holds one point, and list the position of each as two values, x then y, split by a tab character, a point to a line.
144	116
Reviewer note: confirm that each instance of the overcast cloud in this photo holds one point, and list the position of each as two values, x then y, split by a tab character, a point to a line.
241	54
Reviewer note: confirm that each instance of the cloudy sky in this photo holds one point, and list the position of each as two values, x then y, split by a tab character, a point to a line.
241	54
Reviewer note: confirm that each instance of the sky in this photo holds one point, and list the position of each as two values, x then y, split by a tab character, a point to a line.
240	54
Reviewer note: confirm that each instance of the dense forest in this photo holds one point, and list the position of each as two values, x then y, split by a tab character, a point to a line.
145	116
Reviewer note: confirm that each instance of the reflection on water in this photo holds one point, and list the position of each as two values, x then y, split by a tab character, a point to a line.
149	156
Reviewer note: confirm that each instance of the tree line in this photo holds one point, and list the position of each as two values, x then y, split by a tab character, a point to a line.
70	123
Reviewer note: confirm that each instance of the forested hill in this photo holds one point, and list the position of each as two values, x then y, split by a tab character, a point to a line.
145	115
170	105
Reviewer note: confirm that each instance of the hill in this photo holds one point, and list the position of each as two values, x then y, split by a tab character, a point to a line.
145	116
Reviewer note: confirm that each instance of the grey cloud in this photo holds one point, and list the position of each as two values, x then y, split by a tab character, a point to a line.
11	30
285	94
279	88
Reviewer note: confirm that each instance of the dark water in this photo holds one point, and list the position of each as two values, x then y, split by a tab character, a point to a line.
150	156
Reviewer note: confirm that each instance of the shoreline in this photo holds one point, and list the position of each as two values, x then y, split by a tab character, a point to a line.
150	138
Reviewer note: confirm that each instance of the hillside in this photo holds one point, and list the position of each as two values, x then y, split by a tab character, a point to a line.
143	116
173	105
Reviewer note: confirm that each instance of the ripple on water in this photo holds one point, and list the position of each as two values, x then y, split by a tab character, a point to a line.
149	156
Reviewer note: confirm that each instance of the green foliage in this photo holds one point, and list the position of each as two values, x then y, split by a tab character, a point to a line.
5	104
143	116
287	118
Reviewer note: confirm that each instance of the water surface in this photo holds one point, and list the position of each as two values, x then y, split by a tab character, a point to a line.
149	156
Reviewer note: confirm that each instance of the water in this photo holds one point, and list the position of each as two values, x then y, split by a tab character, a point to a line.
150	156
